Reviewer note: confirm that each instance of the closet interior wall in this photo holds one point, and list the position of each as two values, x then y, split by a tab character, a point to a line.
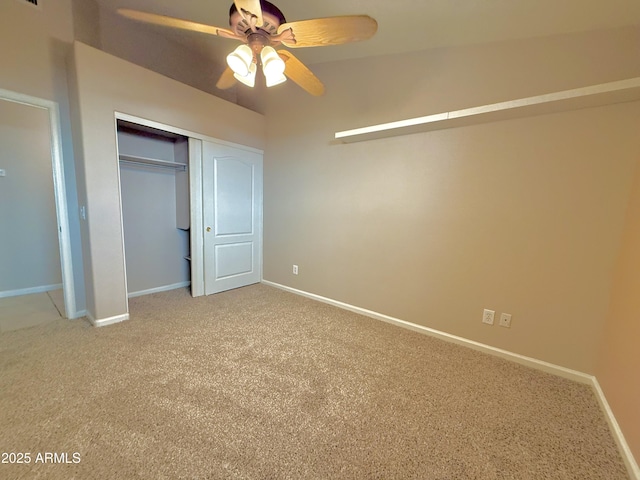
155	209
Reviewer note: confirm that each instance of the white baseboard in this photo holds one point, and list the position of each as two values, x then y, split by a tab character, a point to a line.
29	291
515	357
164	288
625	451
103	322
623	446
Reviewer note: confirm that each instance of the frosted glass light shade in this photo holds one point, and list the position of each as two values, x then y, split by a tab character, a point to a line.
275	80
240	60
250	78
272	66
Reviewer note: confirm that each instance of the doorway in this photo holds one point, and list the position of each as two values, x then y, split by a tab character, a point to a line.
219	205
154	196
35	245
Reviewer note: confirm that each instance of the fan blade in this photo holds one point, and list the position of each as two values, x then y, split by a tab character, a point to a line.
250	8
177	23
319	32
300	74
226	80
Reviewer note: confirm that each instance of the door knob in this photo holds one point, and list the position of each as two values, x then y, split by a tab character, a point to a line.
208	229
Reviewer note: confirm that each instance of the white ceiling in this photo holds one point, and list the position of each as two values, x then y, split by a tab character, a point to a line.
405	25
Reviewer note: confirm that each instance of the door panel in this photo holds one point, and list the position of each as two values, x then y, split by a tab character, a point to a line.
234	196
232	214
233	259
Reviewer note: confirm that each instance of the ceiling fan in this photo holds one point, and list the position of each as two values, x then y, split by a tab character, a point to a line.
261	26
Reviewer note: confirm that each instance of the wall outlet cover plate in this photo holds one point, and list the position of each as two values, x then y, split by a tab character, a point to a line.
505	320
487	316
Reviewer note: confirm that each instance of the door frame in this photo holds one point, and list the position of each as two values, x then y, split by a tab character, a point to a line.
195	193
59	189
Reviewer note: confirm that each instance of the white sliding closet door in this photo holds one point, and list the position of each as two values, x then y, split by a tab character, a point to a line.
232	214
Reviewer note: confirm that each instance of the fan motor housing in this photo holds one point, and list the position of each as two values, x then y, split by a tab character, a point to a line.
271	15
257	41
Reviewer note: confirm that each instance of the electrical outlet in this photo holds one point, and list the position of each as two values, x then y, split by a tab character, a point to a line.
295	269
487	316
505	320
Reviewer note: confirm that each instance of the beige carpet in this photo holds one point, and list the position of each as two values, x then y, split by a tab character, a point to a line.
257	383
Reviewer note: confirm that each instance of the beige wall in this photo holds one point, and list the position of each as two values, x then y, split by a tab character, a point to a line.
153	49
397	87
619	360
522	216
161	50
86	22
29	249
35	43
104	84
31	39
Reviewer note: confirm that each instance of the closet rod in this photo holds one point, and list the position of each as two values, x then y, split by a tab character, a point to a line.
152	162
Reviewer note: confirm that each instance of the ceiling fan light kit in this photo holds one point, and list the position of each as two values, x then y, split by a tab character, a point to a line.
272	66
275	80
240	60
261	26
250	78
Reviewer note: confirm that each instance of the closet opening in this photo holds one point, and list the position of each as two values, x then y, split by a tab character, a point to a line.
154	191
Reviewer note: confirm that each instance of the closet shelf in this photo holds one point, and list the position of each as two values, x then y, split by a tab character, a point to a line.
592	96
133	159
